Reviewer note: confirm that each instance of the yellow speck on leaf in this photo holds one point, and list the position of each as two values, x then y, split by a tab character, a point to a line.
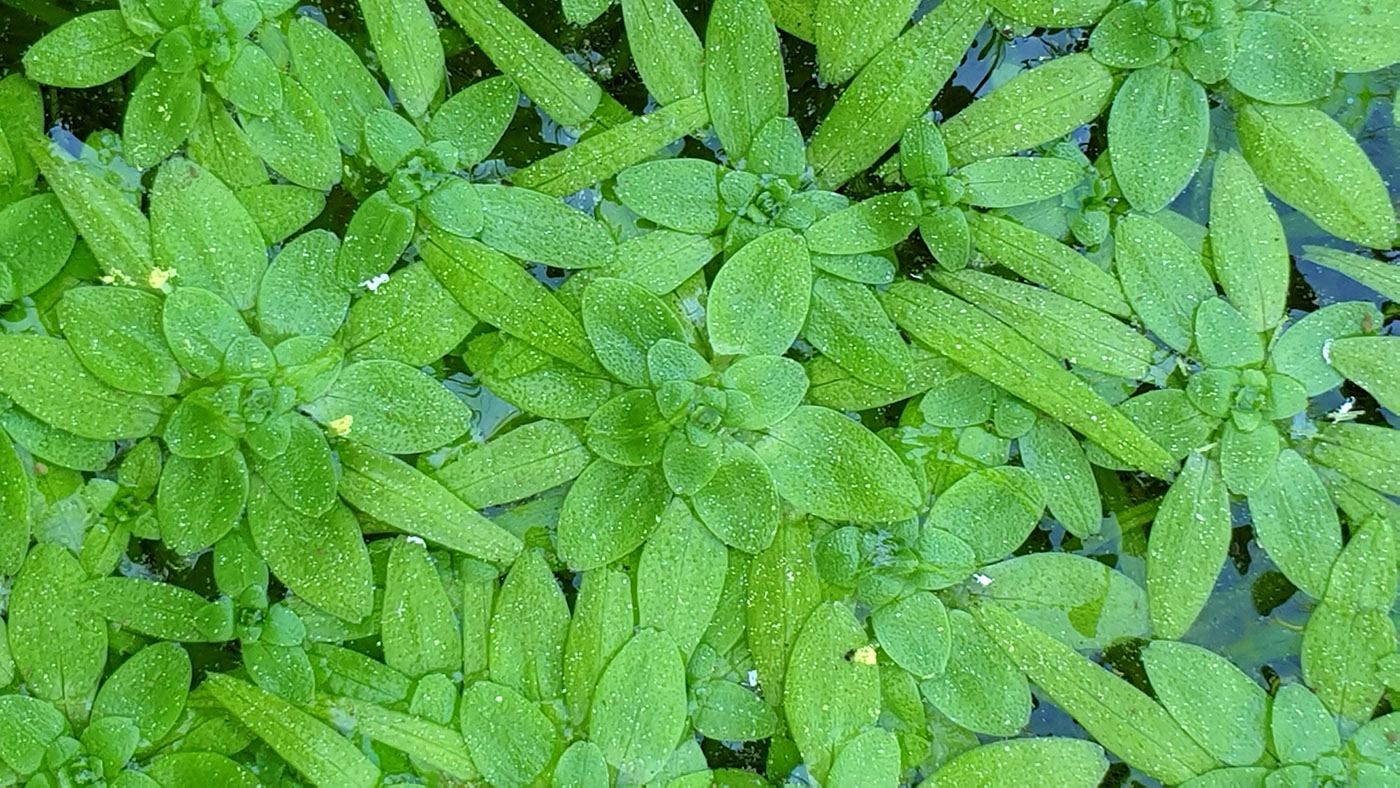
341	426
865	655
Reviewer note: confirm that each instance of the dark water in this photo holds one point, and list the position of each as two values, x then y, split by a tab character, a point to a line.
1253	618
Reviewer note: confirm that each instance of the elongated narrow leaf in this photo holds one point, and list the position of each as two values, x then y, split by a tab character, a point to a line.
680	577
849	33
783	589
665	46
44	377
1074	764
1310	162
418	629
603	155
1380	276
323	756
1036	106
1373	363
85	51
745	85
1351	628
527	460
892	90
1047	262
541	71
409	49
498	291
528	630
1190	537
992	350
1247	243
394	491
1163	279
603	621
1127	722
332	73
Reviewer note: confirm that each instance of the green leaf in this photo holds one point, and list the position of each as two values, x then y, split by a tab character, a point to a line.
848	325
30	727
1054	457
745	85
783	589
535	382
1247	243
1125	721
222	147
281	209
298	140
602	623
113	228
1247	457
390	406
180	768
35	242
528	630
1163	279
1077	600
682	194
1300	727
54	445
309	746
1351	627
914	633
161	610
162	111
1046	262
538	228
1063	327
298	293
1371	362
550	80
332	73
1188	545
43	376
981	689
391	490
410	52
203	236
629	429
867	226
429	744
833	686
639	707
250	81
85	51
1035	107
1377	275
418	629
849	33
378	233
410	318
1224	710
759	299
1053	13
609	512
1310	162
522	462
831	466
728	712
1224	337
1363	452
1157	132
15	503
1299	352
665	47
1008	181
981	344
772	387
59	644
116	333
322	559
992	509
623	321
1279	61
1296	523
474	118
1355	35
680	577
891	91
199	327
199	500
1072	762
1124	39
510	741
498	291
343	671
582	764
740	502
